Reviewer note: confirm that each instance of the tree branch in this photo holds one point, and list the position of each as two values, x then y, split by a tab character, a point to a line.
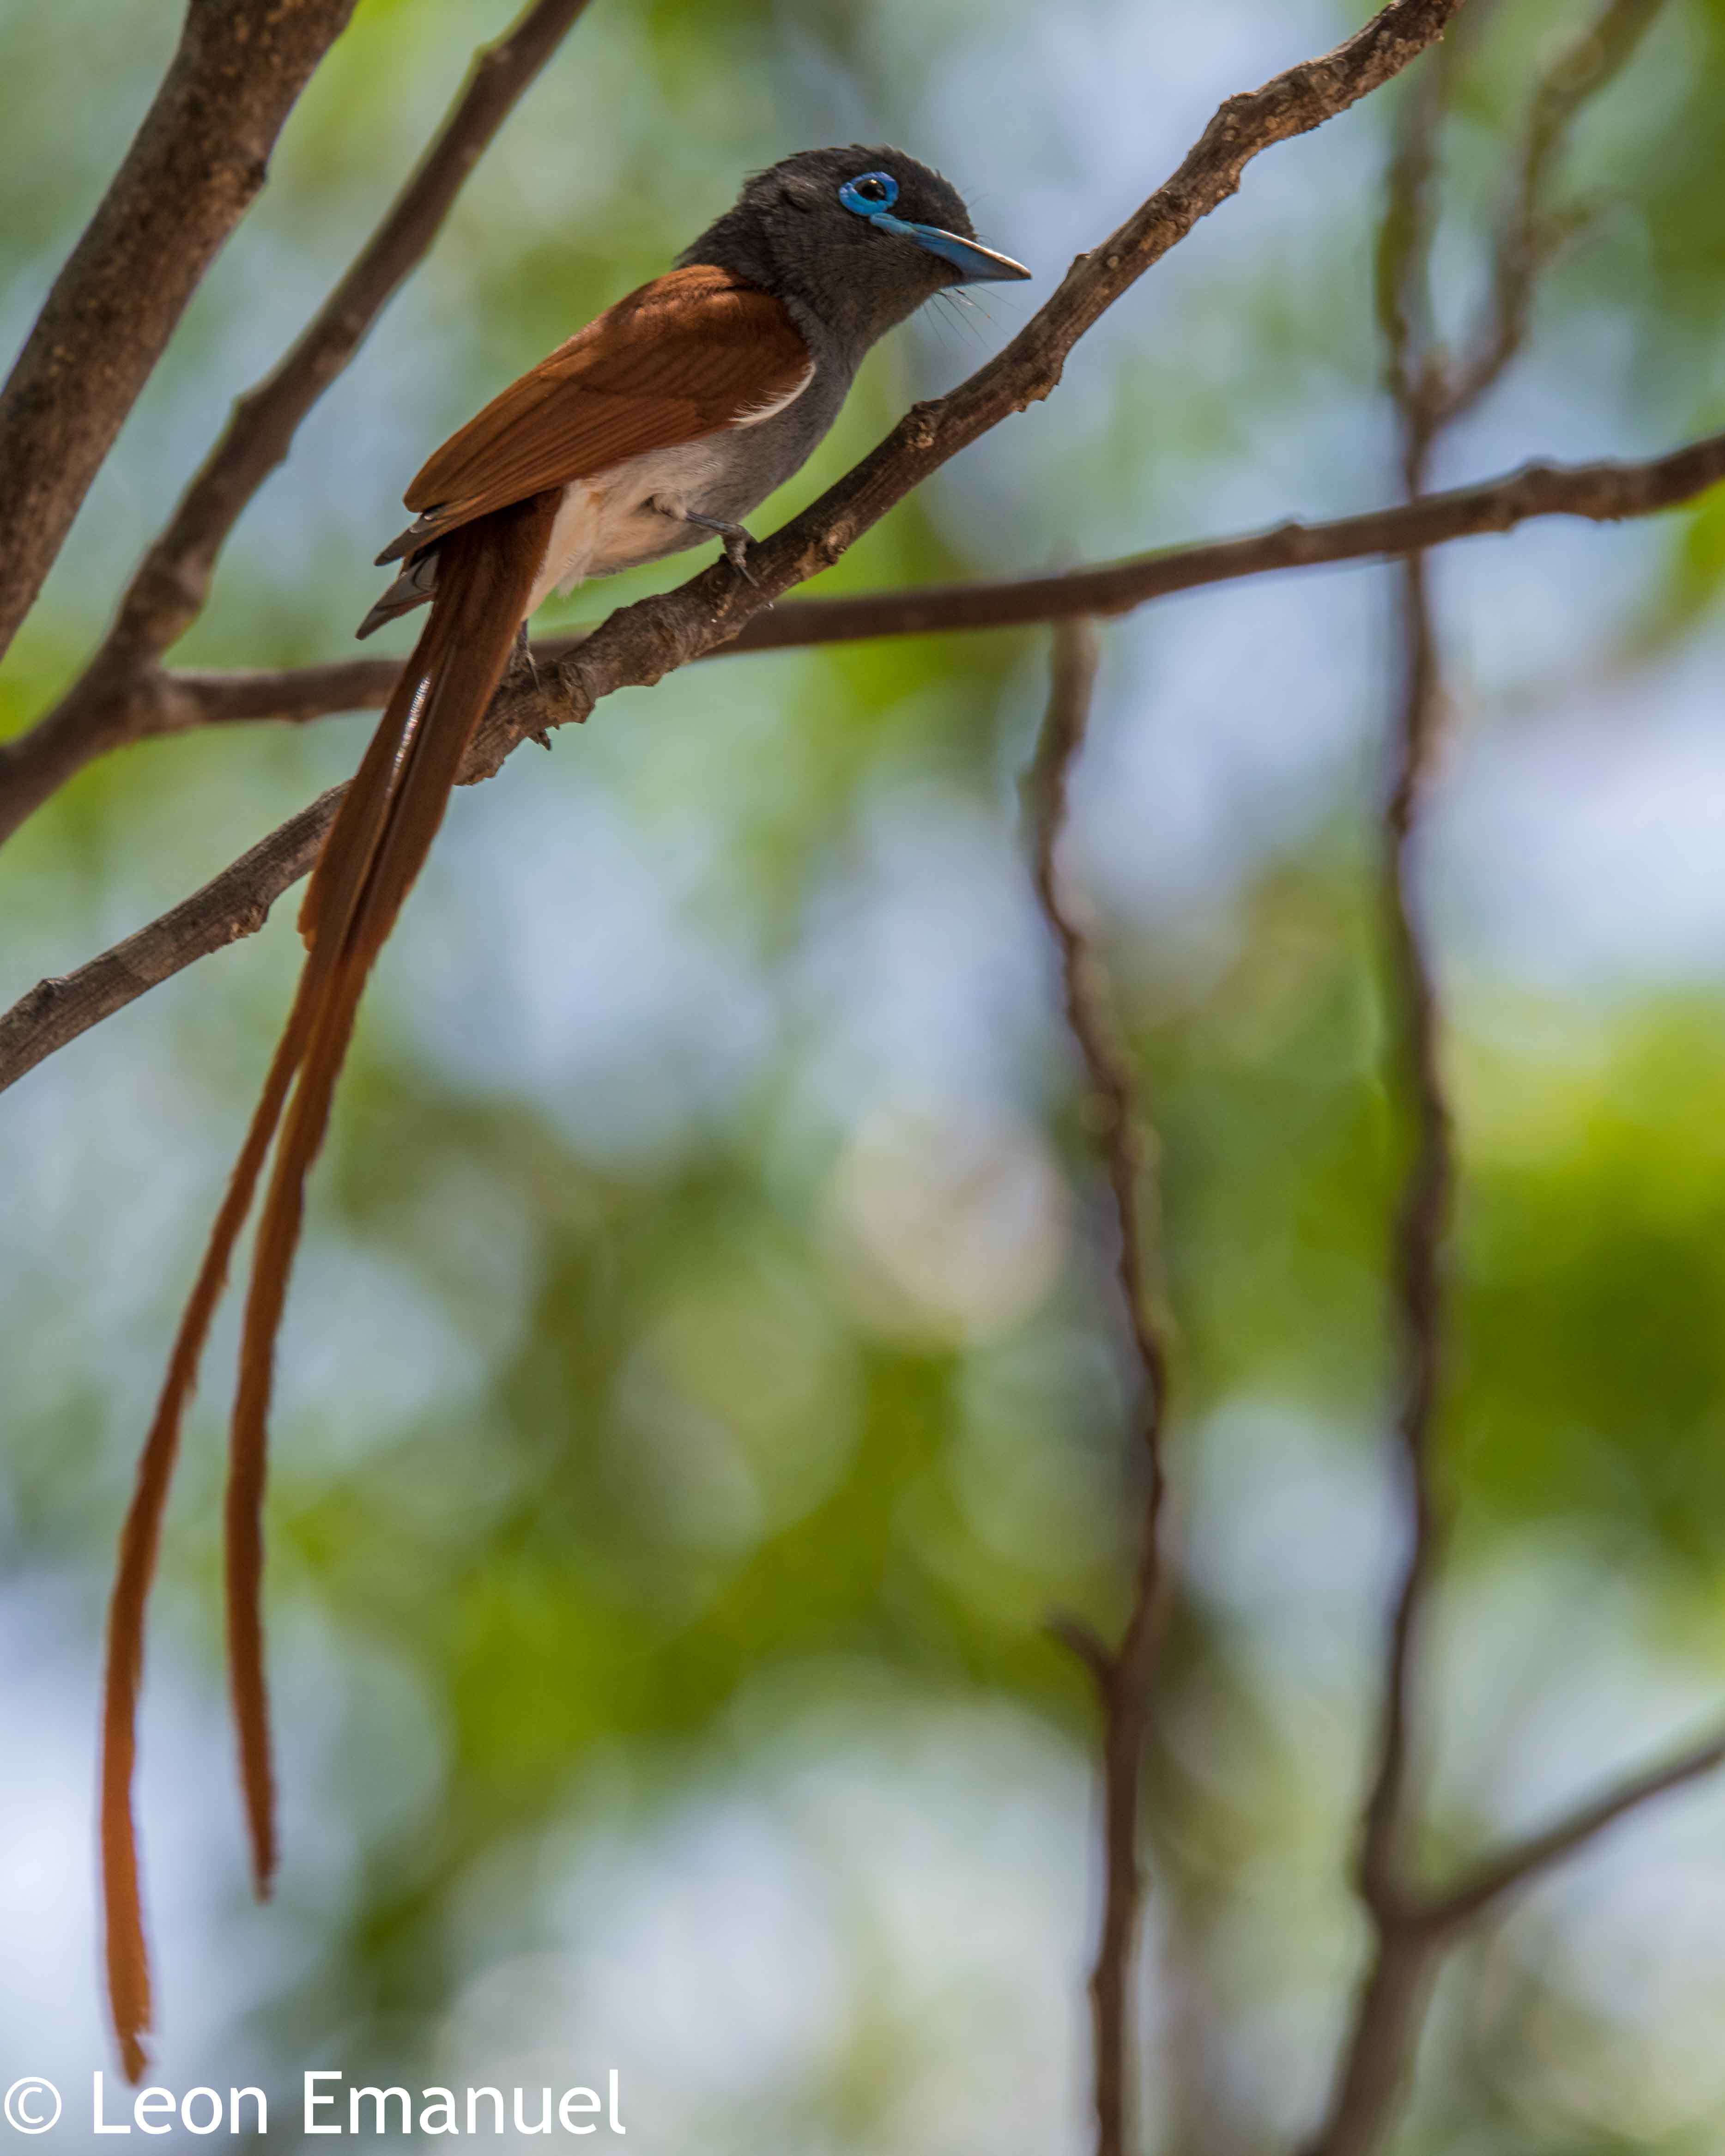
1532	232
1488	1884
233	904
1393	1999
1605	492
637	645
122	694
1404	316
1389	2011
1122	1676
1420	1230
191	174
237	901
1390	2005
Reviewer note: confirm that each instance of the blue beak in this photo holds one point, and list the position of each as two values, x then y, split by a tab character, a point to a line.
976	264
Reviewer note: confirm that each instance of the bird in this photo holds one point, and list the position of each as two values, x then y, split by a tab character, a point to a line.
658	427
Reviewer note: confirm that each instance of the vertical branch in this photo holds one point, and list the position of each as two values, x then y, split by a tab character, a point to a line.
1416	1277
1413	372
1391	2004
1122	1675
1532	232
1429	396
191	172
1401	293
1391	2001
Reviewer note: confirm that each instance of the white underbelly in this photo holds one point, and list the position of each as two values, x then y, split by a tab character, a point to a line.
604	523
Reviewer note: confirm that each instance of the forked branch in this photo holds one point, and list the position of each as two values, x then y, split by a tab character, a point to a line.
1121	1674
1407	1931
122	695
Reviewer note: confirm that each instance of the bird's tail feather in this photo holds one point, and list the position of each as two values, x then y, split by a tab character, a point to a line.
374	852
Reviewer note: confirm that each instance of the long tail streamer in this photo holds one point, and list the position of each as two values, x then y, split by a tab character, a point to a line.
369	861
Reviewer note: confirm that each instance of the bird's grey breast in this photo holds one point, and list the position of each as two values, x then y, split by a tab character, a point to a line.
636	511
746	463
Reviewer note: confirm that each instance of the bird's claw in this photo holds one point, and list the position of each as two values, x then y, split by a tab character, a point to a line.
737	544
522	658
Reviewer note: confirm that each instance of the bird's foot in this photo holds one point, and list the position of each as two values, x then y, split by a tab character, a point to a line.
737	543
736	538
522	661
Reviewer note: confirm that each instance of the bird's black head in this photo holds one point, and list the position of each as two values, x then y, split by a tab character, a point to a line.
861	237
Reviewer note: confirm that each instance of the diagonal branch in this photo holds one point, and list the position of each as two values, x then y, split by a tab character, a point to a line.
236	902
1496	1877
1531	231
1604	492
1122	1674
122	692
1393	1999
231	905
191	174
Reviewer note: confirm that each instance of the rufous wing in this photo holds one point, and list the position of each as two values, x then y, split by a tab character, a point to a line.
690	354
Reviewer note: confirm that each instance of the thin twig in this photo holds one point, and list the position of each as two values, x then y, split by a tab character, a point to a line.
1531	230
1390	2005
1392	2000
1408	1931
232	906
121	689
179	701
1405	323
1420	1228
191	172
238	900
1498	1877
1122	1676
1400	287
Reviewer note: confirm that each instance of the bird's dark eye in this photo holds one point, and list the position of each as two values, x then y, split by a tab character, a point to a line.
869	193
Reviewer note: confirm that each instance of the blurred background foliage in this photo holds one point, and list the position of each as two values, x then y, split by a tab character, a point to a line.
704	1379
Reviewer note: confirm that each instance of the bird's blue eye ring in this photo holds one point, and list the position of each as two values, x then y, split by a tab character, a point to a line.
869	193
